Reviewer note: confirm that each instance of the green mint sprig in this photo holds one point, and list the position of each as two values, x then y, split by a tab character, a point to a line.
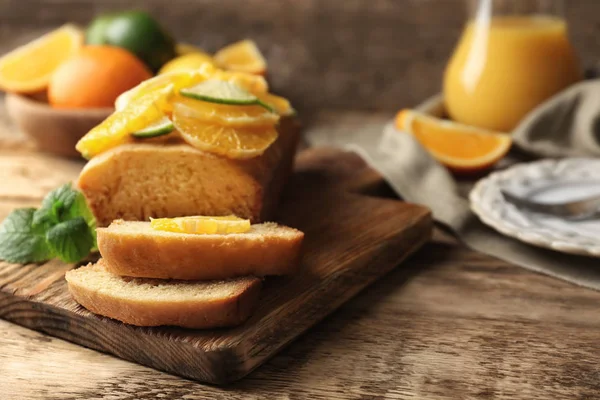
63	227
20	242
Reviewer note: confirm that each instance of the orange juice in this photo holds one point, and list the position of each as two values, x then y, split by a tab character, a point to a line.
505	66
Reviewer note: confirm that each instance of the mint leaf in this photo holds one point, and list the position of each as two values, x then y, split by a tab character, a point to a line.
63	204
54	205
20	242
62	227
71	241
79	208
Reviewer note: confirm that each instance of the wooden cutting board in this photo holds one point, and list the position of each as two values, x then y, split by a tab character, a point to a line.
352	238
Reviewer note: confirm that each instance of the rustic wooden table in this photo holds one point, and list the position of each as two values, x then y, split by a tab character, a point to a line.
447	324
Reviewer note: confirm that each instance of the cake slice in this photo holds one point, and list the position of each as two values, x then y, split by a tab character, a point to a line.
137	181
136	249
153	302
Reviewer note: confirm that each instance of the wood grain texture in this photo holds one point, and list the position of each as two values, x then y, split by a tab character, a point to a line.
351	240
446	324
359	54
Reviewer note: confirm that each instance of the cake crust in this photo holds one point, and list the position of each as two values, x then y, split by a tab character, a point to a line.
138	181
135	249
140	301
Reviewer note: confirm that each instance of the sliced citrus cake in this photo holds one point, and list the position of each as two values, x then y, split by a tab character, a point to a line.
231	146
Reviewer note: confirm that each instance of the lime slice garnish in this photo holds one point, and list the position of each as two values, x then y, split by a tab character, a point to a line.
163	126
223	92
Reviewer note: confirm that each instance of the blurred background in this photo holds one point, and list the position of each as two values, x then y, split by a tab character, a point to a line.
322	54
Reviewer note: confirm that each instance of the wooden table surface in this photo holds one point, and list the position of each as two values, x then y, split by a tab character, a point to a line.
447	324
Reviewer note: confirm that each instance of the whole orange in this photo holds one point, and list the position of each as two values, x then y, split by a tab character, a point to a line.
94	77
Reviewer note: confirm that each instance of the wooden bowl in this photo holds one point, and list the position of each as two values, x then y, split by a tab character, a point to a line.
53	130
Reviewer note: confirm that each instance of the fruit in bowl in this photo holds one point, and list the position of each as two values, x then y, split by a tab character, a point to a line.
94	77
21	71
135	31
55	102
67	81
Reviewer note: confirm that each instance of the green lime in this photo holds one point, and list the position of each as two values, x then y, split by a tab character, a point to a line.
94	34
223	92
137	32
163	126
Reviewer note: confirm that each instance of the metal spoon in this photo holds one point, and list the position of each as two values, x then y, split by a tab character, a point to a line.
577	210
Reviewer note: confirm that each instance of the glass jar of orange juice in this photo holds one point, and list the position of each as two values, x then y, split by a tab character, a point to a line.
513	55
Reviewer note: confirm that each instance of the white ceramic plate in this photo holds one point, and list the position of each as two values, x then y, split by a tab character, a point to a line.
549	181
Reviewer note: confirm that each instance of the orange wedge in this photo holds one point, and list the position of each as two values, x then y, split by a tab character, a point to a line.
280	104
187	62
229	141
202	225
243	56
255	84
462	148
182	49
180	79
118	127
221	114
28	69
176	80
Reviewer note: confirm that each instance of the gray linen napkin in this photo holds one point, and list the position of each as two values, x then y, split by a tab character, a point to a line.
566	125
418	178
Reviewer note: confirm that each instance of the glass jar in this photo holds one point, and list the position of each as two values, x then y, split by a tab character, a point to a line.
513	55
